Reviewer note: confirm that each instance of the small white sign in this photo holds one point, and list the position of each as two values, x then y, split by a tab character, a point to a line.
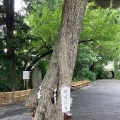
65	98
26	74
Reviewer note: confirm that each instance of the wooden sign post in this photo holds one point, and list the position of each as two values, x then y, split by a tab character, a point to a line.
26	76
65	99
67	116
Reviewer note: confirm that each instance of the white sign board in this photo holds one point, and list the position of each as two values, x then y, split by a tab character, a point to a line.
65	98
26	74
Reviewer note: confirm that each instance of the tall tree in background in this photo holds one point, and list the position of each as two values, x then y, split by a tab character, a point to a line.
9	12
62	63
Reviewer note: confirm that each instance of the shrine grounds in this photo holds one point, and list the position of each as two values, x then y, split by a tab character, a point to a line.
98	101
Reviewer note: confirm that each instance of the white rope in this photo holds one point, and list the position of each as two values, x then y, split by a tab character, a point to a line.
38	94
54	94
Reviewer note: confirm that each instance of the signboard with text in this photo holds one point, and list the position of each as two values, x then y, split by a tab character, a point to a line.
65	98
26	74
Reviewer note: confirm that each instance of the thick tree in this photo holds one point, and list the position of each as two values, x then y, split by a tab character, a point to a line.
62	63
9	12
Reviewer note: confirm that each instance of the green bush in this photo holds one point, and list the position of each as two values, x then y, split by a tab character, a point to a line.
88	75
85	59
5	84
100	72
43	65
116	70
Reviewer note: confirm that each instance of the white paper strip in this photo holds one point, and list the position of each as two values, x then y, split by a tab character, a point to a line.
26	74
55	90
39	94
65	98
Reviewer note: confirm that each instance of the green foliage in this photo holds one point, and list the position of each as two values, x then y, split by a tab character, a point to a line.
85	59
101	24
33	36
43	65
44	21
36	35
44	24
100	71
101	30
5	84
85	56
88	75
116	70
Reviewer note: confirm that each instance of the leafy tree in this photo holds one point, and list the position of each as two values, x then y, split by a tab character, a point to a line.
44	25
101	32
9	19
12	43
62	62
43	65
28	45
84	62
34	37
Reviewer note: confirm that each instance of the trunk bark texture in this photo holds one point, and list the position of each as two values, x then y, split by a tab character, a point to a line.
62	63
9	11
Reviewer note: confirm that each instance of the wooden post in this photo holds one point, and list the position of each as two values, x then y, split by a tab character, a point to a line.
3	97
67	116
13	96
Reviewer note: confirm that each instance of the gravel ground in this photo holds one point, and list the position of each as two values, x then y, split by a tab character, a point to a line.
98	101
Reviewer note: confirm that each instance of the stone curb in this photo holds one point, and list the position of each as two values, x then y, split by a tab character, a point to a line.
79	84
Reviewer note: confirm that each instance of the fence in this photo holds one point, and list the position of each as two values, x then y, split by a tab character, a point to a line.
12	97
17	96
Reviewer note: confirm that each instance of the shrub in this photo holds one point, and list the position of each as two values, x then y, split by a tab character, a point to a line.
117	70
88	75
85	59
5	84
100	72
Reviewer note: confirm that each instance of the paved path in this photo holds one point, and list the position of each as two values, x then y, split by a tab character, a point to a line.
98	101
14	112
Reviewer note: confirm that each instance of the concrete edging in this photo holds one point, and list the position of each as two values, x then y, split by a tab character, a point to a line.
79	84
18	96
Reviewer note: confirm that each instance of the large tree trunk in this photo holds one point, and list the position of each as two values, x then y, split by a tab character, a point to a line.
62	63
9	11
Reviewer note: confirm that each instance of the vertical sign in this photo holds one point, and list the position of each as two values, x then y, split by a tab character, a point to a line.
65	98
26	76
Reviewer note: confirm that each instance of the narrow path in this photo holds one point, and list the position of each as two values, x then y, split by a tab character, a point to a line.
99	101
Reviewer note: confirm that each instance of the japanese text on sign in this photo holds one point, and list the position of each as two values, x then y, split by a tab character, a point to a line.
65	98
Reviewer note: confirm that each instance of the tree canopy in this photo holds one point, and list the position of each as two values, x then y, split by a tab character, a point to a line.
35	34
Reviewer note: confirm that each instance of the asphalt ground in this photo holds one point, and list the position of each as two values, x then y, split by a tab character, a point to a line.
14	112
98	101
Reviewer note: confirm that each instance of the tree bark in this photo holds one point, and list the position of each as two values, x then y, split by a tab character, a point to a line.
9	11
62	63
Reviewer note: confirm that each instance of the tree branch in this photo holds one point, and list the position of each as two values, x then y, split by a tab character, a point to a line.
38	57
84	41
